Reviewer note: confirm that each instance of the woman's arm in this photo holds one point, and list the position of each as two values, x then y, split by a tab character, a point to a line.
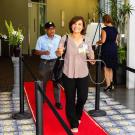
91	54
103	38
60	50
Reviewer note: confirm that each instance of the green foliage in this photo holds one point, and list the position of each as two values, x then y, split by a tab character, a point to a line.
122	54
120	13
124	12
14	37
114	11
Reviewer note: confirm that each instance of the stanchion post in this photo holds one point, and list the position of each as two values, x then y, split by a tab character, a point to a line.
39	108
21	85
97	112
98	78
22	114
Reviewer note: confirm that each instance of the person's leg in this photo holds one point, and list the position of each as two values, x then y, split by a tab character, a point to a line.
70	93
57	95
44	72
111	75
56	92
82	94
107	77
56	87
111	78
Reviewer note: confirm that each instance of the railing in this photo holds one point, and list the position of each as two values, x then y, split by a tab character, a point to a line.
130	69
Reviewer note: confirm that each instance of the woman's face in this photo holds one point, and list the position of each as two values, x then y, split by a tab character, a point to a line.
77	27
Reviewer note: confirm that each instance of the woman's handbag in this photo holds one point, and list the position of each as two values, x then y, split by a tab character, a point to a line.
58	66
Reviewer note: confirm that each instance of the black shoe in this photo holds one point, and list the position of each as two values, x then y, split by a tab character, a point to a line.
112	85
58	105
107	88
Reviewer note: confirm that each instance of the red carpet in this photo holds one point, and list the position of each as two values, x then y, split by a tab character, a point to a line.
51	125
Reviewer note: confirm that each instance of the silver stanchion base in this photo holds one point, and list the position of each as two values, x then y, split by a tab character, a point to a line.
97	113
20	116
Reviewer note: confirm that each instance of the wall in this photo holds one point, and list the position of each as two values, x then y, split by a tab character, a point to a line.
17	12
70	8
131	48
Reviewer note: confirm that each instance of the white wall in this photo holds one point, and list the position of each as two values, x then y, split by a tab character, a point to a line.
131	48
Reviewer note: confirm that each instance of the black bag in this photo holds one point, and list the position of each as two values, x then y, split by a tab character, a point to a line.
58	66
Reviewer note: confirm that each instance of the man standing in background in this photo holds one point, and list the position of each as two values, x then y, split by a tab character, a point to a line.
45	47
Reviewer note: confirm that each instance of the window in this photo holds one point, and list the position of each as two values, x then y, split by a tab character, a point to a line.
108	3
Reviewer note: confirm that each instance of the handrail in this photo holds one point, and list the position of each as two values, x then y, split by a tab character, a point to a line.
128	68
64	125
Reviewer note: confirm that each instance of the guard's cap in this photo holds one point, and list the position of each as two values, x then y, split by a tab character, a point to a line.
49	25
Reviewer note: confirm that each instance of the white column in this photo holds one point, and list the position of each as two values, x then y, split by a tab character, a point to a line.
16	86
131	48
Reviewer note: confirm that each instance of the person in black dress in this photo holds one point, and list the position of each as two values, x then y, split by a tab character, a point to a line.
108	50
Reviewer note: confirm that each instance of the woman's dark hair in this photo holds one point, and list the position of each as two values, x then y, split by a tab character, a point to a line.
74	20
107	18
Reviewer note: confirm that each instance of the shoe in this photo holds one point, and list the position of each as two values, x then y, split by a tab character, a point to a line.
58	105
112	85
74	130
107	88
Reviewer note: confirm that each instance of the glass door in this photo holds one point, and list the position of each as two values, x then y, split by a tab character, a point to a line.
36	20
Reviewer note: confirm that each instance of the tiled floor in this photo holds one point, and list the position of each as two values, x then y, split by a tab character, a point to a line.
124	96
119	119
10	126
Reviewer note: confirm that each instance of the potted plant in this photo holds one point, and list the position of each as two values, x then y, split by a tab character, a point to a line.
14	38
122	55
120	13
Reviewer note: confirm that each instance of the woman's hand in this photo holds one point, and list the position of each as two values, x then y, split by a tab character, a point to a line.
60	51
99	42
92	61
91	57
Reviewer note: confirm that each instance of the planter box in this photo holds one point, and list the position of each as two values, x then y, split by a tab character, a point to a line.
120	75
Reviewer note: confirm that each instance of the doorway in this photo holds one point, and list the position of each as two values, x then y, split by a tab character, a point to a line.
36	21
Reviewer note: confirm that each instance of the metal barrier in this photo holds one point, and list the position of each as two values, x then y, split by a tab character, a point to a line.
22	114
39	109
130	69
97	111
40	96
